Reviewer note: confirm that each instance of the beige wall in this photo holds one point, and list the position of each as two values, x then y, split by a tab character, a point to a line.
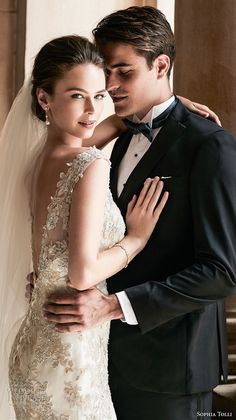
47	19
168	8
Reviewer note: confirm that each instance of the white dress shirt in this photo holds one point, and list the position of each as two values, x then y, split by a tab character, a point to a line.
137	148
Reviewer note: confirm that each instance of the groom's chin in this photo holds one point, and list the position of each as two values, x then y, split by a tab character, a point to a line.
121	112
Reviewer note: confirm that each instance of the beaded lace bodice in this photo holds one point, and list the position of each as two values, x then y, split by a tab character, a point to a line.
56	376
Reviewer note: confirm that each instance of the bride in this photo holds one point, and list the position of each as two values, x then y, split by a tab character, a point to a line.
78	234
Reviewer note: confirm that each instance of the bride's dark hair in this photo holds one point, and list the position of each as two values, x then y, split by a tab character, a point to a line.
54	59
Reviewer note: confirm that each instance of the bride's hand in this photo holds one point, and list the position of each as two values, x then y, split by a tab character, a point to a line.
144	211
200	109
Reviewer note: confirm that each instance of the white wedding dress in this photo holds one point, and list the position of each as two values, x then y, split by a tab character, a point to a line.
55	376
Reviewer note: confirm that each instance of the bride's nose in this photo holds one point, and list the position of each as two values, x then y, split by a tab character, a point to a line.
89	106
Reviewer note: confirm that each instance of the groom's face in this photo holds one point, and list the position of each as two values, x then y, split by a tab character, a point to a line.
131	84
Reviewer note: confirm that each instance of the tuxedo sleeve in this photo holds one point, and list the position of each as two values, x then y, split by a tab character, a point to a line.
212	276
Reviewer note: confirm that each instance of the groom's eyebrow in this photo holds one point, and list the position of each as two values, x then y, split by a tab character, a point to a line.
113	66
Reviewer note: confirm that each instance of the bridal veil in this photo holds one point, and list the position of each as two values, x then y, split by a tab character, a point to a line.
20	141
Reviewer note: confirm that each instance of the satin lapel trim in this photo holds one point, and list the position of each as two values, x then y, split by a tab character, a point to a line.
171	131
118	152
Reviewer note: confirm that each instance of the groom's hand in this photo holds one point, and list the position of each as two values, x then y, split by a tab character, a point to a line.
78	311
29	286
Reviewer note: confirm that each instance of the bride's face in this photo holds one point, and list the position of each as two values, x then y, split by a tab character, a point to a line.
77	101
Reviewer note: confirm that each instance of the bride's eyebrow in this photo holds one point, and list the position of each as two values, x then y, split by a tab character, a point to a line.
83	90
76	88
101	91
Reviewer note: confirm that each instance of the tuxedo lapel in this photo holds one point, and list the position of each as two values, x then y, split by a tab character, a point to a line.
118	152
169	133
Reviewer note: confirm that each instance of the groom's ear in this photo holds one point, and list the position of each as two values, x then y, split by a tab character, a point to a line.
43	97
162	65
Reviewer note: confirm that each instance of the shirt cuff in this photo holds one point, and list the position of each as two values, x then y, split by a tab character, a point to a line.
129	315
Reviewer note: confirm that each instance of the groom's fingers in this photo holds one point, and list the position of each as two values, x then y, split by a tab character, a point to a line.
64	299
62	318
67	322
28	291
30	278
61	309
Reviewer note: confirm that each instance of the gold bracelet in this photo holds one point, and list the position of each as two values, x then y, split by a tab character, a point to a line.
126	254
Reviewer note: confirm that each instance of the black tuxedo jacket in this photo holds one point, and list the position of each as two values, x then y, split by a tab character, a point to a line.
177	284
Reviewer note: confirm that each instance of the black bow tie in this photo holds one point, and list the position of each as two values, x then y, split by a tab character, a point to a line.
146	128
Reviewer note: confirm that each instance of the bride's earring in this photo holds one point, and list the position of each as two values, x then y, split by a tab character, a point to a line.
47	122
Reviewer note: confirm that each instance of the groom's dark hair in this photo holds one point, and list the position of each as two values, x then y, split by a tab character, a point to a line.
144	28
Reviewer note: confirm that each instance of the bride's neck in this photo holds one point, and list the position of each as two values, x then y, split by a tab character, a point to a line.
55	139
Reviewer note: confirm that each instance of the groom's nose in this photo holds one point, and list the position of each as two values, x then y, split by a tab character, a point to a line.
112	83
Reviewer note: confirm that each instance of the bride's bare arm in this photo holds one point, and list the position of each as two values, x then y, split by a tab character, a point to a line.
87	265
107	130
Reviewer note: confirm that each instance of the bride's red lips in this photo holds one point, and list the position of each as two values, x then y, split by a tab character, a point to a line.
87	124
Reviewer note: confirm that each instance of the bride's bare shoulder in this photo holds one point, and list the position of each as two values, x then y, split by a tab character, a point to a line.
62	156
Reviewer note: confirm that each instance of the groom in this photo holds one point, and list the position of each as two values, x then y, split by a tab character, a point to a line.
168	339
